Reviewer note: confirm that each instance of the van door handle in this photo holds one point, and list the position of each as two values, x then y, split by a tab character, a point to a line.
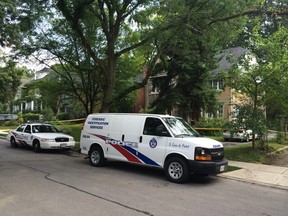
140	140
122	137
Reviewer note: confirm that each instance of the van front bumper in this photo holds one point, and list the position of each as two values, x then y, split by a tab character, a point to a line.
208	167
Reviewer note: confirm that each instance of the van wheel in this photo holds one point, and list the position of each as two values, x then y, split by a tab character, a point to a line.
176	170
36	146
96	157
13	142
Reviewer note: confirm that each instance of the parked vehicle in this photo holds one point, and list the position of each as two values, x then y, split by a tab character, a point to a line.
40	136
240	135
163	141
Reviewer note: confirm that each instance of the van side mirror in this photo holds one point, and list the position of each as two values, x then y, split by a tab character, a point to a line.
161	131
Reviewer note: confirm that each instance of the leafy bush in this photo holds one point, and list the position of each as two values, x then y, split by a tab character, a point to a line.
31	117
63	116
47	114
211	123
210	127
11	123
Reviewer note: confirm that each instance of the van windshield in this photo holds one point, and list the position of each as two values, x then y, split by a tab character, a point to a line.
180	128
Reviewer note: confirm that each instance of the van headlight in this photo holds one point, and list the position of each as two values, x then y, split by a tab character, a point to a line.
71	139
202	154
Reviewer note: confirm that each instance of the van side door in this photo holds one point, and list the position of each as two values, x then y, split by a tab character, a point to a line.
153	142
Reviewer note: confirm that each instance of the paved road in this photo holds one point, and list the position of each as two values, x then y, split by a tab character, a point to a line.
54	183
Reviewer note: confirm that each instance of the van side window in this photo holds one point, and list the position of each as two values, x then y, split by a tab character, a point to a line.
151	125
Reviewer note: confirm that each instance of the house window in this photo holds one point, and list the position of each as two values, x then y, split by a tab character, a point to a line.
220	112
217	84
155	89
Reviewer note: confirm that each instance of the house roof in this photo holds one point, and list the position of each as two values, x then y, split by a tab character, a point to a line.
228	58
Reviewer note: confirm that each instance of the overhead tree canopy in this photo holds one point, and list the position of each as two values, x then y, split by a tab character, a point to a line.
92	36
10	80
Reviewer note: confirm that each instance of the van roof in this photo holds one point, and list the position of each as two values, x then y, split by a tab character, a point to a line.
132	114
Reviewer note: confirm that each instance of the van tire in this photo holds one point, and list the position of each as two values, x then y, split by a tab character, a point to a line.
96	156
176	170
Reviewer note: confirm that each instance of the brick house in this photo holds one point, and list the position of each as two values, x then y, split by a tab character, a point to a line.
227	96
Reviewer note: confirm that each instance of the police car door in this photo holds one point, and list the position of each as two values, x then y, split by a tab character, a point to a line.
26	135
153	141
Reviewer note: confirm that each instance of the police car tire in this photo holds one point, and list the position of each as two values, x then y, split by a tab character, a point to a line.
96	157
176	170
13	142
36	146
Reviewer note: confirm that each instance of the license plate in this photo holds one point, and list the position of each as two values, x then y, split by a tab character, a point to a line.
222	168
63	145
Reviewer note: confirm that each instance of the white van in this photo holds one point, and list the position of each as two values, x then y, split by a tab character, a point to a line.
156	140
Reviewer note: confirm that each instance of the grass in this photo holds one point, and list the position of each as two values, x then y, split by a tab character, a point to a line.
72	130
246	153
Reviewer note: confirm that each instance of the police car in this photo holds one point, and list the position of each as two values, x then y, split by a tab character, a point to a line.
40	136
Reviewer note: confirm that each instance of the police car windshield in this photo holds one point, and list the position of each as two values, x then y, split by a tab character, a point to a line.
180	128
44	129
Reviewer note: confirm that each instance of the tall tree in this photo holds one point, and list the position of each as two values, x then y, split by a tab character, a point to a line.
188	54
96	31
8	23
105	30
10	80
263	76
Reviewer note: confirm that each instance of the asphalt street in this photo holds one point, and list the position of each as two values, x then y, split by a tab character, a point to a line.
57	183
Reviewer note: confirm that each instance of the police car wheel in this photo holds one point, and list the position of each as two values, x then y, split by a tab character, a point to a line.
176	170
13	142
36	146
96	157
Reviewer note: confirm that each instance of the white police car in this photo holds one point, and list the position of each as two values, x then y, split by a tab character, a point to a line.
40	136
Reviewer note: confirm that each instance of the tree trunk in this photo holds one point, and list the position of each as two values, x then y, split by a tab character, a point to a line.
110	84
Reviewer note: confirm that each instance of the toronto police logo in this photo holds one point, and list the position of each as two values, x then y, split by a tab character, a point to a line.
153	143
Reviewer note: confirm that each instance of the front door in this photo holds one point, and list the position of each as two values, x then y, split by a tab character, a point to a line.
152	146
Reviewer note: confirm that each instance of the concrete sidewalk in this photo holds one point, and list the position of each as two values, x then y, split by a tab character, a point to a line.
273	176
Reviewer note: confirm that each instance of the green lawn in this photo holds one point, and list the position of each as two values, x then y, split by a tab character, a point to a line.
246	153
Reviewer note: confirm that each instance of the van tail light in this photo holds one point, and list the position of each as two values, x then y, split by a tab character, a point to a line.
202	154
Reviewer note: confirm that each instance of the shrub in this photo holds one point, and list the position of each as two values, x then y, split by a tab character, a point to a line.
11	123
63	116
31	117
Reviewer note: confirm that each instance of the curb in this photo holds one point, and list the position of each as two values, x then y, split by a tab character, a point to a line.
252	182
278	150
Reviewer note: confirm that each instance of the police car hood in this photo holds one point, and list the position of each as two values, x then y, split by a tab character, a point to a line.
51	135
203	142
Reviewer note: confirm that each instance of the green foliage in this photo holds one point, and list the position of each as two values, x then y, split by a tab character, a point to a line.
63	116
73	130
47	114
211	127
246	153
31	117
11	123
9	29
211	123
20	118
188	54
261	77
10	77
